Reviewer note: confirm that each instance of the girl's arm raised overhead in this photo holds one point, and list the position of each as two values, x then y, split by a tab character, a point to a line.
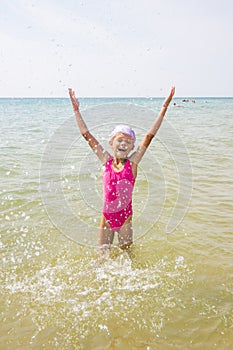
137	156
93	143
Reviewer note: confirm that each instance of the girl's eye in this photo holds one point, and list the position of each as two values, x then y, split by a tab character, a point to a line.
126	140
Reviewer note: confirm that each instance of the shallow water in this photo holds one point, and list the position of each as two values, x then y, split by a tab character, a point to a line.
175	290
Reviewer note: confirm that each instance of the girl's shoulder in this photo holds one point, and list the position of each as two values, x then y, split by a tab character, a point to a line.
107	160
106	164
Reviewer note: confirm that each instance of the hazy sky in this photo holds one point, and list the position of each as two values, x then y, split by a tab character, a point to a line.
116	47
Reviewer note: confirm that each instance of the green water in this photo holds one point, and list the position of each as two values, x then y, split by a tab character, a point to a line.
175	292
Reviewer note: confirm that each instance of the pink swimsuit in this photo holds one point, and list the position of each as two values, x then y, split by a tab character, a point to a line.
118	190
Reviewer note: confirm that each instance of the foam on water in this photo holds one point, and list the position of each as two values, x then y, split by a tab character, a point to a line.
70	303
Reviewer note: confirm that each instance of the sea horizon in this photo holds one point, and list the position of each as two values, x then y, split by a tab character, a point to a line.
116	97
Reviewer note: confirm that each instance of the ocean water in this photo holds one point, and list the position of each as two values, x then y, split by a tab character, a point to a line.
175	288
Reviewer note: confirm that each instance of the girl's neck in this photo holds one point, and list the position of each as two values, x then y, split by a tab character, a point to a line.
118	164
119	160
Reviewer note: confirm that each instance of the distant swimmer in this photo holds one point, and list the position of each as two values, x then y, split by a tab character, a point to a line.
176	105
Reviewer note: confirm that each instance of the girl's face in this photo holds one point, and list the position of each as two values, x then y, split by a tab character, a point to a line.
122	145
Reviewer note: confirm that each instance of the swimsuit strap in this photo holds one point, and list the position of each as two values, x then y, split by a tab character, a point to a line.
108	164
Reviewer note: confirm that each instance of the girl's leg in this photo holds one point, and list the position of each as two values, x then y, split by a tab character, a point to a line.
125	235
106	235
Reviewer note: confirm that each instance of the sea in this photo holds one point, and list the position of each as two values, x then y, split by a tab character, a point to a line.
174	288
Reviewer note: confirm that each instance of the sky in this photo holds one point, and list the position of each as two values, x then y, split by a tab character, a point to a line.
116	48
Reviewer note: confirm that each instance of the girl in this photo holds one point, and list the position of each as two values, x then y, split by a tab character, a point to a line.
119	174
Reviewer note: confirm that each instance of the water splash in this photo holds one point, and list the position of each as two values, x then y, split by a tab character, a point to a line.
73	303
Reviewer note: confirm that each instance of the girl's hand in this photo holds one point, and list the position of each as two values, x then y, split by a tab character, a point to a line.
169	98
74	100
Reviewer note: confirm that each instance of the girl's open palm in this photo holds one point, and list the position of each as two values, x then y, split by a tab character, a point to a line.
74	100
169	98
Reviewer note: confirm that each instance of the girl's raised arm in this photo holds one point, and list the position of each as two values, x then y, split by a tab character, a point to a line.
93	143
137	156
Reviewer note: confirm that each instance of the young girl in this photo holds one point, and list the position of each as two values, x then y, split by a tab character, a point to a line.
119	174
